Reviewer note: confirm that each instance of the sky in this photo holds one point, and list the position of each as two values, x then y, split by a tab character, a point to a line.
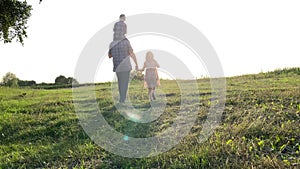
248	36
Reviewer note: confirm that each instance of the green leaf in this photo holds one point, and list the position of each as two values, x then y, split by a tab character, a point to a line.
228	141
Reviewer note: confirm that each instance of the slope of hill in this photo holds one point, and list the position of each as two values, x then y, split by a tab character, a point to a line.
259	129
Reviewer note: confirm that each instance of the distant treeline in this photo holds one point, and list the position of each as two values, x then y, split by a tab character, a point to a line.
61	81
11	80
26	83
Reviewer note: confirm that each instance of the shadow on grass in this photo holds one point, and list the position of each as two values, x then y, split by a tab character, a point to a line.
32	145
125	126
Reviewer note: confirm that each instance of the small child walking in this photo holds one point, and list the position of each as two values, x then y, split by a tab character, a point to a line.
151	75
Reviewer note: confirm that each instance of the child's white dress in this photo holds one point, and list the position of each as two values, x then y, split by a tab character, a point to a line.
151	75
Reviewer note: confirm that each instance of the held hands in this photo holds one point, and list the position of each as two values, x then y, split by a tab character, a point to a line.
137	69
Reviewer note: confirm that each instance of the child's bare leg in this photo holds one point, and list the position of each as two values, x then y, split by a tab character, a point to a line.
150	93
153	94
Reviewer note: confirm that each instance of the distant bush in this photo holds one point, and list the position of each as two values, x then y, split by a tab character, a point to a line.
23	83
60	80
284	71
10	80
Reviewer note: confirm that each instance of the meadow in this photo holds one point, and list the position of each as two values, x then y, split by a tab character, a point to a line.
260	126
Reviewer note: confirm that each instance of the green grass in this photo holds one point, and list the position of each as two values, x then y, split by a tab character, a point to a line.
259	129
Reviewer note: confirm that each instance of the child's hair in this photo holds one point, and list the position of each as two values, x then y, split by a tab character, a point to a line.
149	56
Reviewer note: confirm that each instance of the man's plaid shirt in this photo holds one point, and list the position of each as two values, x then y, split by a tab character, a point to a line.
120	53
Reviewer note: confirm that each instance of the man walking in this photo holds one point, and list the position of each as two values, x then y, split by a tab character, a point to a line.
120	50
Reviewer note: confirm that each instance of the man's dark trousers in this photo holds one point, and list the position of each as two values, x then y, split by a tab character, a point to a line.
123	80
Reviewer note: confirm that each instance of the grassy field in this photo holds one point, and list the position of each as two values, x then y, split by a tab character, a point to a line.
260	127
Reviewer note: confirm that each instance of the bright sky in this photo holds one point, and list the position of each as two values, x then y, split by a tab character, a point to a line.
248	36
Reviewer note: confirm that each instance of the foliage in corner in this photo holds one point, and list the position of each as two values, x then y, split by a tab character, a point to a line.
14	15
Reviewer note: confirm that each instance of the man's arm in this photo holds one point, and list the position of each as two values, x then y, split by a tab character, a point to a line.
134	59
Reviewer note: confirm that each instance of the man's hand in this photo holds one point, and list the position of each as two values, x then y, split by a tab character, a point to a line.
136	67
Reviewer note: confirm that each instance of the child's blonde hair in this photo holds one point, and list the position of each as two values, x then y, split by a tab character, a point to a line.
149	56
